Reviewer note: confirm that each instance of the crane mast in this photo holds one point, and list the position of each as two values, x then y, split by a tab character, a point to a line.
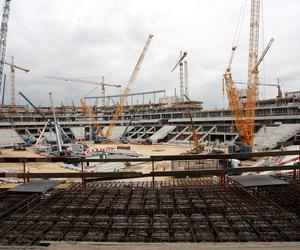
123	98
181	79
186	80
13	79
3	37
253	75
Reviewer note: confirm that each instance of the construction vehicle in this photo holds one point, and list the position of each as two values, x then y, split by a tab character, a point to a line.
197	146
101	83
244	117
13	67
183	88
123	98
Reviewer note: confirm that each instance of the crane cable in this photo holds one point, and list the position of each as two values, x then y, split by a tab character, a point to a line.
263	73
236	38
239	23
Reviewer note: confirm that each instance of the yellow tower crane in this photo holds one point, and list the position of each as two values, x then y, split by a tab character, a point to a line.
13	79
123	98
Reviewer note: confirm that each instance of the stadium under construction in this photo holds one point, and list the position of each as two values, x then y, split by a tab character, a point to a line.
142	167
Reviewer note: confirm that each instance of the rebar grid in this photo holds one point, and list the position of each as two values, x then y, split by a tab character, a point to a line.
287	197
194	210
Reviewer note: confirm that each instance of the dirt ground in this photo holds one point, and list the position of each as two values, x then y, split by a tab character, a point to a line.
161	149
146	167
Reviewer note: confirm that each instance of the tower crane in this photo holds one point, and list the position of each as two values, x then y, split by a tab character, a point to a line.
123	98
182	55
13	67
3	37
245	118
278	86
102	83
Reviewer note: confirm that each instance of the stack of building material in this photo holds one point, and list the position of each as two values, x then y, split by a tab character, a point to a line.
8	137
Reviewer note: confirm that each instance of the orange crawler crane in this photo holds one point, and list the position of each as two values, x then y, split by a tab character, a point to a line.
123	98
245	117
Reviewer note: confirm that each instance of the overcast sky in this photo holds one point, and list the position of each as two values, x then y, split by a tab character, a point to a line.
75	38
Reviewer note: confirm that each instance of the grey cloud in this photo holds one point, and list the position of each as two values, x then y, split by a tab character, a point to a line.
102	37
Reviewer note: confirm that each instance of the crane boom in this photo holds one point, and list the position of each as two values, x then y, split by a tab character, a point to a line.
17	67
35	108
182	56
261	84
255	69
81	81
197	146
235	103
98	83
123	98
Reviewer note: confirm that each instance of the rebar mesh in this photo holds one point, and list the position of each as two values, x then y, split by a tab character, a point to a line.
194	210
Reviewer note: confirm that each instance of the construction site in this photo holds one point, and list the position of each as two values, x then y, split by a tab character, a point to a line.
148	170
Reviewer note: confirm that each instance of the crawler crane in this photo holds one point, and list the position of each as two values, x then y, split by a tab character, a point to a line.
244	117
